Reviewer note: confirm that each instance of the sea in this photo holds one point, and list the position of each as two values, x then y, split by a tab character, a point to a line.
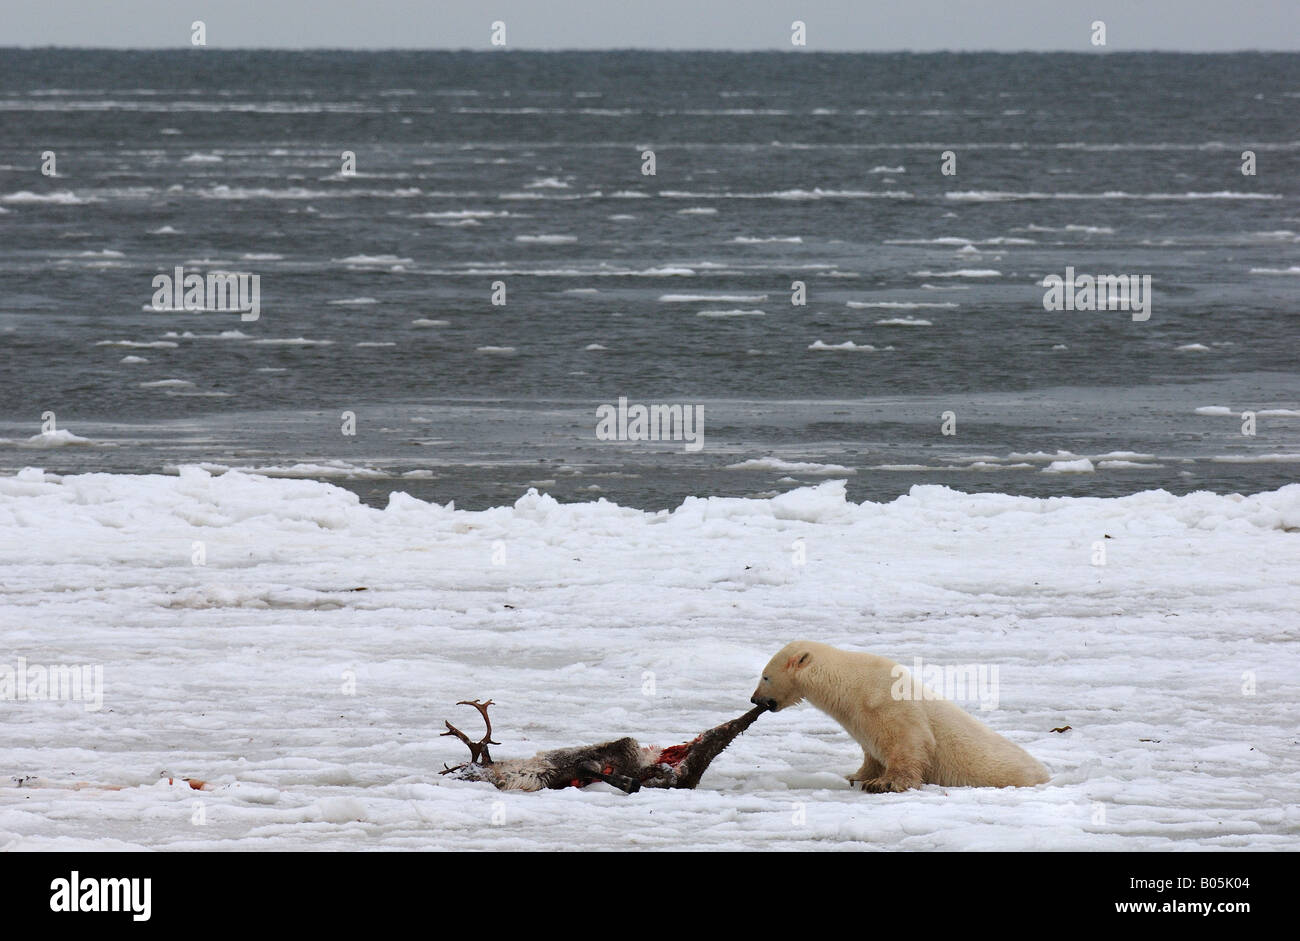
838	264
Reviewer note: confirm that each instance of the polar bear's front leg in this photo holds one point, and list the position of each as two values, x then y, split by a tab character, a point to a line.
907	745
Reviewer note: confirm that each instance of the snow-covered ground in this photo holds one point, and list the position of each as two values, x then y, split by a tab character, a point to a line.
589	621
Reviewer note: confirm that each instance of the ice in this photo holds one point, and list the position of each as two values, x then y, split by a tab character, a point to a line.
847	346
960	273
61	198
791	467
705	298
1081	466
301	470
58	438
292	341
1174	663
373	260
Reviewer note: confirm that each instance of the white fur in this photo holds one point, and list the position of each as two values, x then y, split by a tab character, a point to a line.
905	742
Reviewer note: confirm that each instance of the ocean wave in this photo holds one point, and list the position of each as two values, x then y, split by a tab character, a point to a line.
989	196
898	305
373	260
61	198
847	346
957	240
1256	459
292	341
792	194
715	298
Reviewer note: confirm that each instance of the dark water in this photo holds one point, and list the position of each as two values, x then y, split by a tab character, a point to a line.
770	168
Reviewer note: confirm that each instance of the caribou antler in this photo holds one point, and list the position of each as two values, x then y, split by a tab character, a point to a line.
478	751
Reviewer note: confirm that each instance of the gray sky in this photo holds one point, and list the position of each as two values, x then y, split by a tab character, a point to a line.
838	25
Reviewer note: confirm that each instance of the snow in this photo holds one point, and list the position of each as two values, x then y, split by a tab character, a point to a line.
602	621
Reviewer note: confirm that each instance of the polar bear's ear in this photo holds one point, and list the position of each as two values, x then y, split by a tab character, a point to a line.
799	662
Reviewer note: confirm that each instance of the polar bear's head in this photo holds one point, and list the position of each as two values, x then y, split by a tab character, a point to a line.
781	683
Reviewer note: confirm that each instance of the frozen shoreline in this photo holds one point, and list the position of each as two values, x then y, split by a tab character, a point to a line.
233	671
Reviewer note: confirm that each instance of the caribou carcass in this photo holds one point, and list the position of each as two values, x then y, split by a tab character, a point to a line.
623	763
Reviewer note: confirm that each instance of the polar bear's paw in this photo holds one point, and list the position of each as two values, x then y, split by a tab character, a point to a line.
890	784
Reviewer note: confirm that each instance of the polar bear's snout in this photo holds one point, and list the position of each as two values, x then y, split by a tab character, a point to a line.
768	704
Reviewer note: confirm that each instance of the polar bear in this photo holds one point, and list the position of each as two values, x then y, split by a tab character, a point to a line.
906	742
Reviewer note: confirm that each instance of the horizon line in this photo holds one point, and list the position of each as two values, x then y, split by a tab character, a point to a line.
646	49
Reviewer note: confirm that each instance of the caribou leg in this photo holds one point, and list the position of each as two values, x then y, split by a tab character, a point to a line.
701	752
